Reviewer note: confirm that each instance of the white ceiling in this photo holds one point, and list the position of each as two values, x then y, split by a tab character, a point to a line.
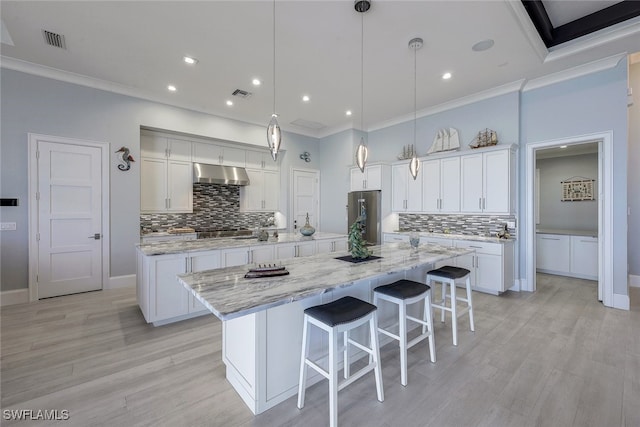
137	48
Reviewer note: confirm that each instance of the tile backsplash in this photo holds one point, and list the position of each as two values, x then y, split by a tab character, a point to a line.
214	206
482	225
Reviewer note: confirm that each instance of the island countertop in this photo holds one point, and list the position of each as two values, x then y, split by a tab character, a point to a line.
228	295
188	246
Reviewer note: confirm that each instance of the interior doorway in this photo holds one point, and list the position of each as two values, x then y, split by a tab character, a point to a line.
68	210
305	198
604	201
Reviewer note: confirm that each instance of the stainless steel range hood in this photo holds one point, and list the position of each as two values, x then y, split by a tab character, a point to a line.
218	174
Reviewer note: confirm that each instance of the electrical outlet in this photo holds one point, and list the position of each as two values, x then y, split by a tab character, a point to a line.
511	224
7	226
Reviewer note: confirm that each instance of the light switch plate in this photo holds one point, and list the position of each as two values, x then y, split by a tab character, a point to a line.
511	224
7	226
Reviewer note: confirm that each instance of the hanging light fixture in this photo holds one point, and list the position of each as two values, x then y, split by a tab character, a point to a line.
362	6
414	164
274	135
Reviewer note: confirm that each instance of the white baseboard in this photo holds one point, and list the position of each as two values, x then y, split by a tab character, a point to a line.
128	281
634	281
621	301
16	296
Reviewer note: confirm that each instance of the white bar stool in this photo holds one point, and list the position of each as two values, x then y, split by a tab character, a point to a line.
404	293
340	316
448	275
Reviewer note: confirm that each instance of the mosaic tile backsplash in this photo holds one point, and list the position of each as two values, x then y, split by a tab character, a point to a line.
477	225
214	206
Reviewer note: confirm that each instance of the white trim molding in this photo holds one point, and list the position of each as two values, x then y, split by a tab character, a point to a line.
115	282
634	281
14	296
572	73
605	212
621	301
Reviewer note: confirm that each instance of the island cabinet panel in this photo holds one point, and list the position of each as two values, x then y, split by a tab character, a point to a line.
239	349
330	246
235	256
295	250
260	254
160	297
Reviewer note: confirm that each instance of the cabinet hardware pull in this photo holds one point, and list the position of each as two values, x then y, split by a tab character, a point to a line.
484	203
480	203
549	238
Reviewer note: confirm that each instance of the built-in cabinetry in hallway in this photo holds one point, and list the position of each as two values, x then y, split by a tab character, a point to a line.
568	253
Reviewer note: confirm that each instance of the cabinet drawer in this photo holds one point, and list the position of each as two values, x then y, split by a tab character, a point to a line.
448	243
392	237
480	247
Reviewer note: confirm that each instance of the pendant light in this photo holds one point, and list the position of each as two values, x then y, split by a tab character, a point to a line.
362	152
274	136
414	164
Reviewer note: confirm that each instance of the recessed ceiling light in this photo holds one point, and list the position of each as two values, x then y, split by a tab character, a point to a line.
189	60
256	82
305	98
229	102
482	45
563	146
348	113
446	76
172	88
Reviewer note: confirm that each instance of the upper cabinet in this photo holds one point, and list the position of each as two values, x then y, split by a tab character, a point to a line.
488	182
165	175
262	193
260	160
407	192
218	155
441	185
370	179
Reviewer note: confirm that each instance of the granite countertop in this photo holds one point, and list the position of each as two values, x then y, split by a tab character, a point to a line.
199	245
228	294
567	232
164	233
452	236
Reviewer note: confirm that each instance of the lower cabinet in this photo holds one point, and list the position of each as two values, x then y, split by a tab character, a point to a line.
295	250
567	255
491	265
160	296
330	246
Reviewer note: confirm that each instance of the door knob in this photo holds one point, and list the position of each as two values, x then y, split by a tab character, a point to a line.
95	236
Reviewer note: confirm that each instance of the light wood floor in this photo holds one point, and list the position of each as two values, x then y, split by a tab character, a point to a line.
553	358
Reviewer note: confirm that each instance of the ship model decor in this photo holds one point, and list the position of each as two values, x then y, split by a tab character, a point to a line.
445	140
407	152
484	138
266	270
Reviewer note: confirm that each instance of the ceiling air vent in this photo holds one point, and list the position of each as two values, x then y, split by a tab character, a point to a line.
241	93
54	39
309	124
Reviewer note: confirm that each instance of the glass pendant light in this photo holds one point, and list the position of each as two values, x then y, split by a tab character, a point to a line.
414	164
274	136
362	152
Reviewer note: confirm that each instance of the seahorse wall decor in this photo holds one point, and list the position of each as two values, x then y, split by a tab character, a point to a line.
126	159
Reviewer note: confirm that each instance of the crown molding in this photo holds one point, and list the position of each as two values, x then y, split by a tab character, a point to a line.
82	80
522	18
607	35
571	73
460	102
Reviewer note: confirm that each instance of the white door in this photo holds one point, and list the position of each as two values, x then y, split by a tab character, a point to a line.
305	198
69	247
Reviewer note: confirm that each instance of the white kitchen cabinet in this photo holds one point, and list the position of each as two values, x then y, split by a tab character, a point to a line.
491	265
406	191
218	155
262	193
331	245
487	182
567	255
295	250
261	254
395	238
166	183
160	296
553	253
234	256
584	257
441	185
370	179
261	160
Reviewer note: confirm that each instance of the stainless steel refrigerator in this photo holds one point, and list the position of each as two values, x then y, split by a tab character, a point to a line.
368	205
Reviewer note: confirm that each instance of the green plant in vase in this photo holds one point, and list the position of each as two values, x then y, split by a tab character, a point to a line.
358	248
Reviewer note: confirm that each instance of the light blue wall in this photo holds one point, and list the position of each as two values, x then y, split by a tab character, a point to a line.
40	105
500	113
336	159
584	105
633	162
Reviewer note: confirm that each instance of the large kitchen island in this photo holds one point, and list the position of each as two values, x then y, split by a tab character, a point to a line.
262	317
